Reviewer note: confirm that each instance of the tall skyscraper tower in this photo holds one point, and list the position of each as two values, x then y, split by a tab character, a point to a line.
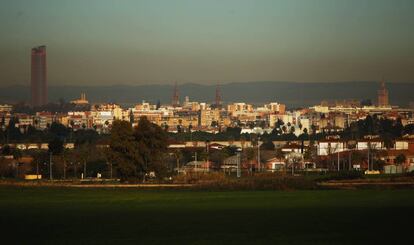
383	96
38	76
175	98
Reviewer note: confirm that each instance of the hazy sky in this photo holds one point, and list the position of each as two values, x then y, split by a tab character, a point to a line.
103	42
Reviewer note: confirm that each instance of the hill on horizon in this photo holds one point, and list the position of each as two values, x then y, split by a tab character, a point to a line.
293	94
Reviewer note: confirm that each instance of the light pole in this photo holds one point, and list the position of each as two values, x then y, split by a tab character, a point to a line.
195	160
3	128
177	162
259	164
37	170
84	169
368	154
208	153
76	169
238	164
338	160
17	169
50	166
111	171
110	168
64	170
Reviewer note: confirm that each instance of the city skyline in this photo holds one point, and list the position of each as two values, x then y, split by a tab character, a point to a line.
158	42
206	121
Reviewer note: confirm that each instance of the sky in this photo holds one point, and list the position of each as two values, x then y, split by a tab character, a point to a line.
134	42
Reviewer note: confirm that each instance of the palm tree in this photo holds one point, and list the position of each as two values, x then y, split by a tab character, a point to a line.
178	155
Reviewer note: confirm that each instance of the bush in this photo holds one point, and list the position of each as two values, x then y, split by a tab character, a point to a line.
219	181
342	175
194	177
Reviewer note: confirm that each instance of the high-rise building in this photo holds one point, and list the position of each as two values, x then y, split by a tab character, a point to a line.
38	76
383	96
175	98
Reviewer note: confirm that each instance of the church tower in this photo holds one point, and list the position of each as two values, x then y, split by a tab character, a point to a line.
383	96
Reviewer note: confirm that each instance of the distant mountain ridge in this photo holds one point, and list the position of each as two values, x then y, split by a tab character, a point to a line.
293	94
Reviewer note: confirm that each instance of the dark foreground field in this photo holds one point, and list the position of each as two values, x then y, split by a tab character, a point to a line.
130	216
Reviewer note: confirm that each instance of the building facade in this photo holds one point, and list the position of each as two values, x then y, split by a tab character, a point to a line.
383	96
38	76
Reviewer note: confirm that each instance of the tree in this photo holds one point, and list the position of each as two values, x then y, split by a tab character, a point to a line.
267	145
179	129
59	130
310	152
123	149
152	144
55	146
388	141
6	169
85	136
279	153
2	121
178	155
292	159
6	150
12	131
40	158
313	129
250	154
136	152
218	156
400	159
279	123
214	124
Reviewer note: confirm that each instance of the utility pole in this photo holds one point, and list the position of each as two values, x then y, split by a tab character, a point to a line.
368	158
238	165
178	163
84	169
111	170
76	169
50	166
338	161
208	153
37	170
195	159
259	164
64	169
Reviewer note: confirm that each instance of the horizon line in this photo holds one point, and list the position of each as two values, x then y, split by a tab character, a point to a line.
204	84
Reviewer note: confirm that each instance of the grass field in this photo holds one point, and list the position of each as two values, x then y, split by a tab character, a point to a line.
130	216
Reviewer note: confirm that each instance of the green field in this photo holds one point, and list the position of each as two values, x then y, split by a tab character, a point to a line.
130	216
